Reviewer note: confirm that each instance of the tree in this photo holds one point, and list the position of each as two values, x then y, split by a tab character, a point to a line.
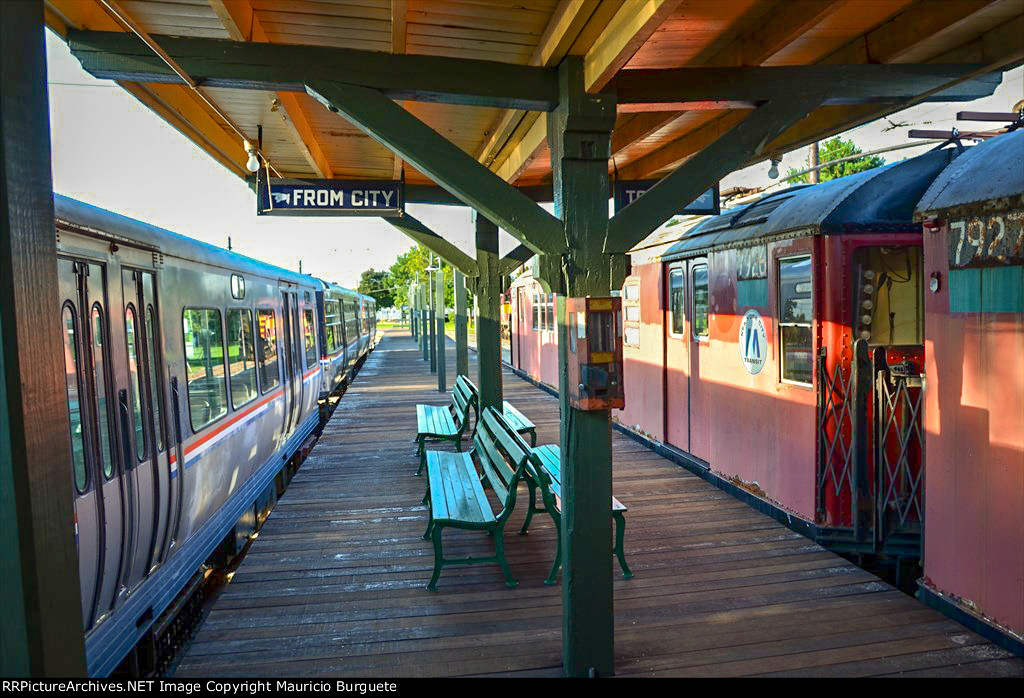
412	266
379	285
834	149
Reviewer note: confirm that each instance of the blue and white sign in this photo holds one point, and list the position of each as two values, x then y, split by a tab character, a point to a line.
753	341
628	191
328	197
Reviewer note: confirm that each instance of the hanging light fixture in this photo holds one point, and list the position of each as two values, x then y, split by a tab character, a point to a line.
253	163
773	171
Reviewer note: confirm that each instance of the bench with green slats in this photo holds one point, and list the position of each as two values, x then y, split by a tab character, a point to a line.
545	473
436	423
518	421
455	491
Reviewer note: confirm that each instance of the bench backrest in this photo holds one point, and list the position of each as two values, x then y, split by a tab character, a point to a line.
502	456
464	396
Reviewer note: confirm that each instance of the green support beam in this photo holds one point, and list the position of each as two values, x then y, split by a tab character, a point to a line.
579	132
412	311
739	87
424	320
659	203
461	327
435	243
488	320
41	630
431	317
517	256
444	162
442	366
289	67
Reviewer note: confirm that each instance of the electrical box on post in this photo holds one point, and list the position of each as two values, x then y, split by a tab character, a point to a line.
595	353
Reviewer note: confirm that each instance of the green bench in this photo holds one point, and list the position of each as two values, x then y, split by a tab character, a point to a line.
519	423
455	490
434	423
545	474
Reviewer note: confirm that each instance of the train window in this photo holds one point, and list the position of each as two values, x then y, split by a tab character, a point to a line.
332	327
632	336
132	336
888	303
795	308
74	397
536	311
351	322
266	349
154	375
633	313
309	332
237	286
99	377
676	293
241	357
551	311
632	292
204	359
700	301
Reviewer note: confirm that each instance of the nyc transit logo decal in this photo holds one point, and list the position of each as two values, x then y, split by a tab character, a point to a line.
753	341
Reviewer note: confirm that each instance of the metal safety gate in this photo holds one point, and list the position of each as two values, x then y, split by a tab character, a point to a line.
870	474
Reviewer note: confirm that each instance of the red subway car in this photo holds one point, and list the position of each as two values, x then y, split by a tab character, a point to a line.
815	349
973	216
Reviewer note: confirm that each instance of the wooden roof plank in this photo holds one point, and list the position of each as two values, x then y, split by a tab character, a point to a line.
241	21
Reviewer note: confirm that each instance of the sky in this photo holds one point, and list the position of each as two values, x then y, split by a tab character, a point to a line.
111	151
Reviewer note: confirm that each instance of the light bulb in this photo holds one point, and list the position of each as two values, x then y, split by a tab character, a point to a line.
253	163
773	171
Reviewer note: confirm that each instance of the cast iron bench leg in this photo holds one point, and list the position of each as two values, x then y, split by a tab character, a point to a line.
533	508
553	574
435	534
422	454
620	533
499	545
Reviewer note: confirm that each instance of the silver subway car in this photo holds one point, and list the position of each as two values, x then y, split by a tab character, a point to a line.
345	334
193	378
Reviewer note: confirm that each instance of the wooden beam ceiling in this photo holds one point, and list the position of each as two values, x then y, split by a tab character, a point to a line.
627	30
898	36
243	24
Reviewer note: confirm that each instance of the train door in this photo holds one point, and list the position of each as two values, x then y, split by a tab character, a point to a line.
154	390
677	360
292	360
699	316
142	417
99	499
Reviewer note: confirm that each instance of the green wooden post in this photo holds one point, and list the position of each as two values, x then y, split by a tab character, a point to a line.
579	131
442	385
412	311
461	327
431	317
41	629
488	321
424	330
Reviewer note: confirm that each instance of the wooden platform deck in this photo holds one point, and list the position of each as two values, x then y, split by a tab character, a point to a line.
334	585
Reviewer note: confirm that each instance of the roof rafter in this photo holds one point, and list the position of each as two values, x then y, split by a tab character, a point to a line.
289	67
628	29
399	10
563	28
239	19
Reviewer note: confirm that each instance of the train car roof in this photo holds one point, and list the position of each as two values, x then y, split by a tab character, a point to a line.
878	200
991	170
92	219
329	286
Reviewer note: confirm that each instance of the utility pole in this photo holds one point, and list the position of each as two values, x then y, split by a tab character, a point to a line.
812	162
